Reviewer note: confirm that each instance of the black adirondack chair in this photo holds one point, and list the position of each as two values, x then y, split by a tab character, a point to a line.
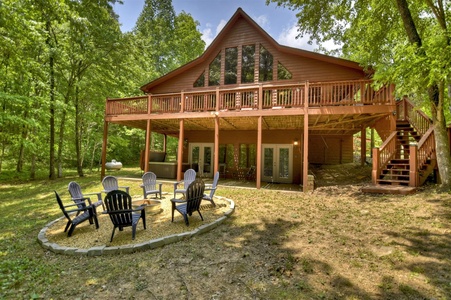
122	214
193	197
87	213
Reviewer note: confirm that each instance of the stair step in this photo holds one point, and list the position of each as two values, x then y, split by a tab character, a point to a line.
392	181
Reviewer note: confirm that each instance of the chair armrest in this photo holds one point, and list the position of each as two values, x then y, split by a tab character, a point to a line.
178	200
98	194
124	187
84	199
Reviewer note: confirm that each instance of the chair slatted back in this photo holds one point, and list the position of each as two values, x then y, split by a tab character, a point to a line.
188	177
110	183
194	195
60	204
150	181
119	208
214	185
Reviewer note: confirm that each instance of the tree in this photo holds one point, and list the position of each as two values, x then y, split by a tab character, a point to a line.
405	43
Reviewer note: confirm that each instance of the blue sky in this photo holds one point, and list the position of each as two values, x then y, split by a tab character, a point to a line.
212	15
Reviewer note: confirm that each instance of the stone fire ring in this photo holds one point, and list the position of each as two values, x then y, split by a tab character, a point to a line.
131	248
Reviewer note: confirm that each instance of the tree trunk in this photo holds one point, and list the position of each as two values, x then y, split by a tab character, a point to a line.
61	142
20	159
52	174
78	135
441	139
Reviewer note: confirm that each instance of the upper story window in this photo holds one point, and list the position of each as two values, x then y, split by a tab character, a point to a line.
247	64
266	63
214	75
200	82
282	72
231	64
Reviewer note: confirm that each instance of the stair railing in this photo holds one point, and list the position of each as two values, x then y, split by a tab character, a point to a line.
383	155
420	154
418	119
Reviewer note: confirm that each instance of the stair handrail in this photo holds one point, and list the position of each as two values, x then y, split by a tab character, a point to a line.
382	155
417	118
426	147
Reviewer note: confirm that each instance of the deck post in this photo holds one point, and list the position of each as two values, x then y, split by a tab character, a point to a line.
180	149
260	97
147	147
217	100
375	171
216	162
305	150
104	143
259	153
413	165
363	146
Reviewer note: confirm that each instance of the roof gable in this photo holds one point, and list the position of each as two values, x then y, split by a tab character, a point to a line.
214	48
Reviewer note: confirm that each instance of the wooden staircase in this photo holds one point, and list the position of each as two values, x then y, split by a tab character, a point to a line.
407	157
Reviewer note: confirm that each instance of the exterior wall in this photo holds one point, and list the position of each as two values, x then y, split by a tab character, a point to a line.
242	33
330	149
322	149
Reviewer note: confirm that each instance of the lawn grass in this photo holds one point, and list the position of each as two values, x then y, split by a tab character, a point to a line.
334	243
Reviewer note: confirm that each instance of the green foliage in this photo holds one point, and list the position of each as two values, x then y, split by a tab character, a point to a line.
78	45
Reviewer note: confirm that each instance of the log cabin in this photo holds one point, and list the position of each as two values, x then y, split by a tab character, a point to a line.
253	109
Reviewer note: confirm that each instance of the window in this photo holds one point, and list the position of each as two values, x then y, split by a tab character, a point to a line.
215	71
231	63
247	64
200	82
248	155
282	72
266	62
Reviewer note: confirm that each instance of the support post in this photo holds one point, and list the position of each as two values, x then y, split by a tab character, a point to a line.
305	150
363	146
180	150
259	153
375	171
147	147
216	163
413	165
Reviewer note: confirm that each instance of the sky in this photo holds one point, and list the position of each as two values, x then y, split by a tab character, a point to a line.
278	22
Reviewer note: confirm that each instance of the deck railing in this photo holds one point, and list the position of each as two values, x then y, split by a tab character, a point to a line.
360	92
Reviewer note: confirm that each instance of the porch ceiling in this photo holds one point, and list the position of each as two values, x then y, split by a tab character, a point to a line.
318	124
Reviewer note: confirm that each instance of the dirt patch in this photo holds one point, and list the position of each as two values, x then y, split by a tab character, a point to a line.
158	225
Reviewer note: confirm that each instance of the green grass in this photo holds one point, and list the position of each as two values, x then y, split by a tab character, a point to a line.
275	246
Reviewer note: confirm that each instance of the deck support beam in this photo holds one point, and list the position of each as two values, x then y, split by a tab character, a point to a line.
147	147
216	162
305	150
259	153
363	146
180	149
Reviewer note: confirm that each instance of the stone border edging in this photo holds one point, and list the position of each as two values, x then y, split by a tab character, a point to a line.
131	248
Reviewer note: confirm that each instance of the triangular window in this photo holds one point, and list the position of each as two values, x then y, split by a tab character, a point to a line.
200	82
282	72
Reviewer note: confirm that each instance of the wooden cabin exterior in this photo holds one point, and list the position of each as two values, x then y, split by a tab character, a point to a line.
251	107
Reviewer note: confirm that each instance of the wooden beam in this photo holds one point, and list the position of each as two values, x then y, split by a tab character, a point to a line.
363	146
147	147
216	162
305	156
259	153
180	150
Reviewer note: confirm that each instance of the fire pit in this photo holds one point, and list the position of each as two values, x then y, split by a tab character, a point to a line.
153	207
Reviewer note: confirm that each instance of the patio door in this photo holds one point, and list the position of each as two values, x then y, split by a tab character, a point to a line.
277	163
201	158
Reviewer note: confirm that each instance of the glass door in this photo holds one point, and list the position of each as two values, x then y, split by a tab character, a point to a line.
201	159
277	163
